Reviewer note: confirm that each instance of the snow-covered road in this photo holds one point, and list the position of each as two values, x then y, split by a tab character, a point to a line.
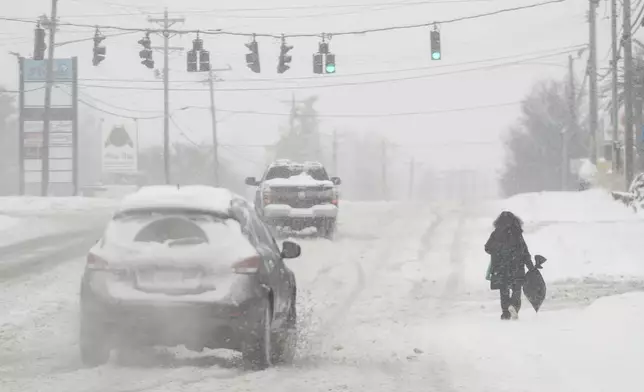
396	302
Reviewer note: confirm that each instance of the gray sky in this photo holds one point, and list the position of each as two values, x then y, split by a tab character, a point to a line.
464	139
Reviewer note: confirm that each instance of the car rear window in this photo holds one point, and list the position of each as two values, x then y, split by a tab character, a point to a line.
174	228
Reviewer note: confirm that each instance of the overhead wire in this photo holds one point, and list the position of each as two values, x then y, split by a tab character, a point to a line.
320	115
305	35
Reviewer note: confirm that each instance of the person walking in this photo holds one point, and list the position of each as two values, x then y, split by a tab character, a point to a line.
509	257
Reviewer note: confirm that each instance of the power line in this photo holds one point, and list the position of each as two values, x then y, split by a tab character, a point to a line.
18	92
300	7
329	85
376	115
117	114
303	35
182	133
320	115
351	11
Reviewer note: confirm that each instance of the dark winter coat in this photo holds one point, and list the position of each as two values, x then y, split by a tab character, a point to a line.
509	252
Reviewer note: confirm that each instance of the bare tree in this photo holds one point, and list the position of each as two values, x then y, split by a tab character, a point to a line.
534	144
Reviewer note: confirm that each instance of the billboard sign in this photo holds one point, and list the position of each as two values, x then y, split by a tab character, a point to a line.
36	70
119	150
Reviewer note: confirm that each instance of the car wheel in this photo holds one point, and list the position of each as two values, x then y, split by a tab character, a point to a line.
257	350
95	348
286	347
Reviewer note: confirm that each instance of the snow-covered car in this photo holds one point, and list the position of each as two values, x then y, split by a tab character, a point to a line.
191	266
297	195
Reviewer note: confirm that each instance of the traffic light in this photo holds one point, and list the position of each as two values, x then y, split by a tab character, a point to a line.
284	59
39	43
99	51
192	61
323	60
330	63
197	44
318	63
435	37
146	53
252	58
204	61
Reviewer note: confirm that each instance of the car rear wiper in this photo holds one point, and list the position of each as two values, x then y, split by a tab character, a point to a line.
187	241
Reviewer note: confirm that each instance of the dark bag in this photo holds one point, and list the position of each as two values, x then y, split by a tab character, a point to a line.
535	287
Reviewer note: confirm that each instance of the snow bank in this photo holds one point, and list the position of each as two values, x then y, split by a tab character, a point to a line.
589	206
21	205
7	222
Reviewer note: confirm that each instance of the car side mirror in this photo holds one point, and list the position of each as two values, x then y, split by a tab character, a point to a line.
252	181
336	180
291	250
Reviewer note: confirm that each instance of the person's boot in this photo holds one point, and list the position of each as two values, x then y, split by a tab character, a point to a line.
514	314
506	315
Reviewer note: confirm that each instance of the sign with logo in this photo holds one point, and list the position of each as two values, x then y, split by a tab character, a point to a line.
36	70
119	151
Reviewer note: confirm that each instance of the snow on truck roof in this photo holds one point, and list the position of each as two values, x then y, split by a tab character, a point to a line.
288	162
193	197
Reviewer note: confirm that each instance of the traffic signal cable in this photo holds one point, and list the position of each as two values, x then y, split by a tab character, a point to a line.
302	35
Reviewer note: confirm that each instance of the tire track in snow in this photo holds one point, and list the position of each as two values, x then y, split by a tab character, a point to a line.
449	294
377	256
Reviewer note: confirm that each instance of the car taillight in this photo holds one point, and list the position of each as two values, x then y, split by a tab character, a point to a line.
247	266
96	263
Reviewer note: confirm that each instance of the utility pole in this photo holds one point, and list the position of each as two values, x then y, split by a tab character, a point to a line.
572	126
615	105
213	117
335	152
166	23
628	94
44	183
383	159
592	80
412	175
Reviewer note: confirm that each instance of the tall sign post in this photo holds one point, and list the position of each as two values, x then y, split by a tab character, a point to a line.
63	136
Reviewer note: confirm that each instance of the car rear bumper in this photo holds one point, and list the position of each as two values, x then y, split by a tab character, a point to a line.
195	325
285	211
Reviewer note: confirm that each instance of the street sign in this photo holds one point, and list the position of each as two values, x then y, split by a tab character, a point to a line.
119	150
36	70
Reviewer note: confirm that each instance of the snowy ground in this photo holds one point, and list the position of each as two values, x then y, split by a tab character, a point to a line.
396	302
25	218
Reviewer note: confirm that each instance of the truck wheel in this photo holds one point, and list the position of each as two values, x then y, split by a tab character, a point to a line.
328	229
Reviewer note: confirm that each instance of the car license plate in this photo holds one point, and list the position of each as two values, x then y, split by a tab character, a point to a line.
167	276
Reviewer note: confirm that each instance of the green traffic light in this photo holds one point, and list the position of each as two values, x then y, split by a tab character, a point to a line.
436	55
330	68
